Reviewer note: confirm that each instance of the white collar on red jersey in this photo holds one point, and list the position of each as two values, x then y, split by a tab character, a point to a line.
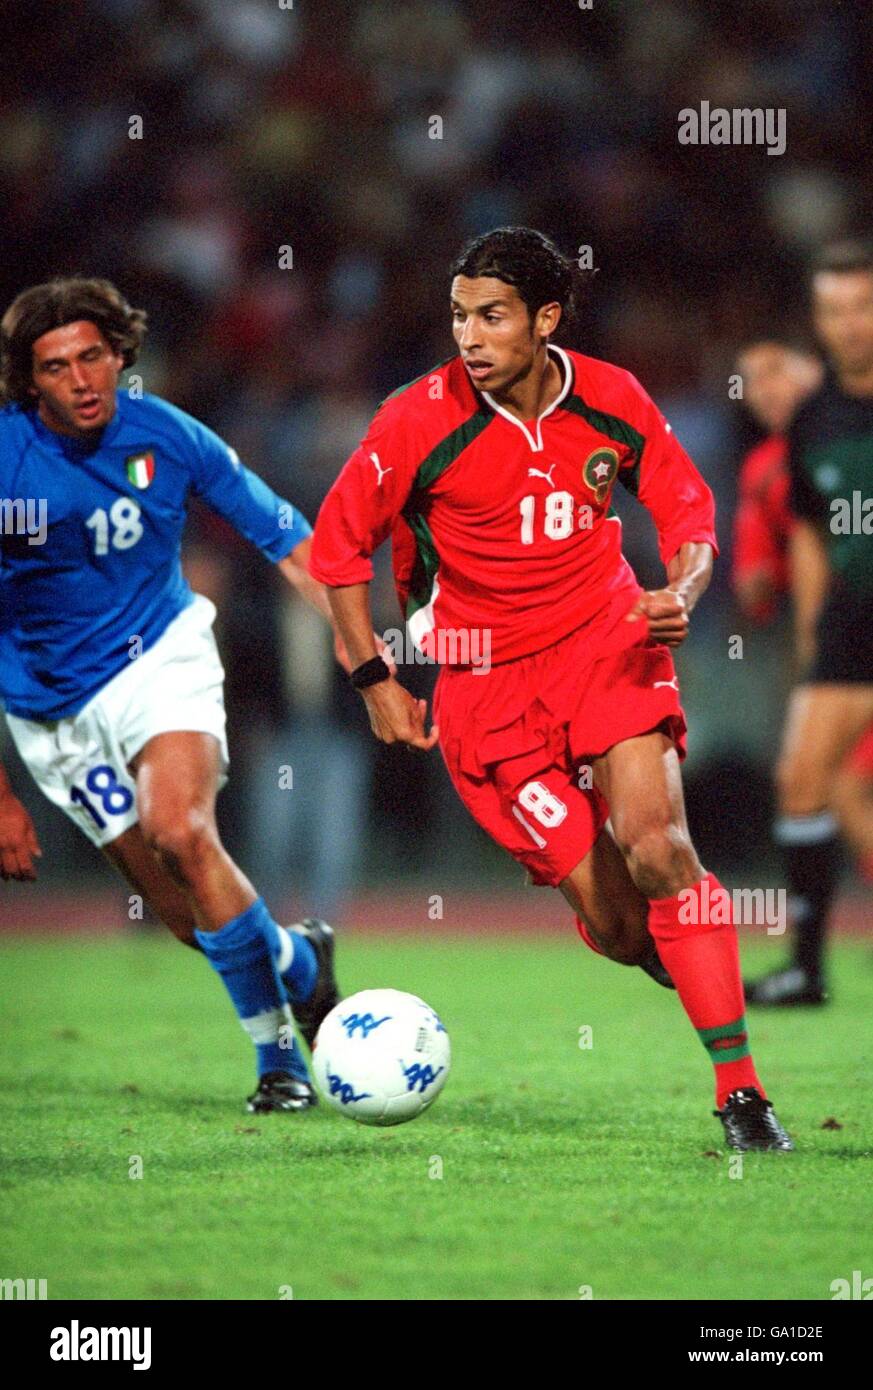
536	442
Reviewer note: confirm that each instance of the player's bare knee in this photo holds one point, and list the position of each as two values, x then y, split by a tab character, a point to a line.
183	842
662	861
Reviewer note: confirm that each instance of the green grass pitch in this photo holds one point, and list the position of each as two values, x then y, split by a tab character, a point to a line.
563	1168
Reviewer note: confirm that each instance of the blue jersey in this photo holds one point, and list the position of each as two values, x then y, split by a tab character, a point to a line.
90	543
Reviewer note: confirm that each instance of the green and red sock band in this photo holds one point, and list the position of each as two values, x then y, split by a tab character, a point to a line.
727	1043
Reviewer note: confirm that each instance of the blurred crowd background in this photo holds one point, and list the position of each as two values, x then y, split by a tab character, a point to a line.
307	126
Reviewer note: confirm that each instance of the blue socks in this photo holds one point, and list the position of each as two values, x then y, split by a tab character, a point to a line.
245	952
295	960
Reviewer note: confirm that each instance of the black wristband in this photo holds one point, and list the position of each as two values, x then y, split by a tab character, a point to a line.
369	673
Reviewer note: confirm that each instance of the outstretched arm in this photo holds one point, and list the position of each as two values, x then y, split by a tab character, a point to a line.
295	568
18	842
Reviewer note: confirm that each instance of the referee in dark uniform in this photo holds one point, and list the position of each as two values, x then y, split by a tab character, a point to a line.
830	457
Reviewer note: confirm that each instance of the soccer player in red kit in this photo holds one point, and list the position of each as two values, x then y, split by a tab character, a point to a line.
557	705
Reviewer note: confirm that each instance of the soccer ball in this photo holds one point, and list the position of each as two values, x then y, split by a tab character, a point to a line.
381	1057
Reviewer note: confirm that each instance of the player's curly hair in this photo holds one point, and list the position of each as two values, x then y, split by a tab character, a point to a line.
63	300
527	259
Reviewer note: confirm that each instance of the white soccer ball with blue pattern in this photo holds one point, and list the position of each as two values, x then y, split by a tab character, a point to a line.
381	1057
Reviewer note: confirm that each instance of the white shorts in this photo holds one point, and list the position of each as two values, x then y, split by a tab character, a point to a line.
81	763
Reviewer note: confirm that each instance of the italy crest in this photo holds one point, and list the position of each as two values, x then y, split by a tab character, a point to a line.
140	468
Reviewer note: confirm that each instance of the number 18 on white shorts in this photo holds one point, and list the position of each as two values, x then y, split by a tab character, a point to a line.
81	763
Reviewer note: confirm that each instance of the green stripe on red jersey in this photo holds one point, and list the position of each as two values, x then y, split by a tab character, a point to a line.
424	570
448	449
436	463
614	427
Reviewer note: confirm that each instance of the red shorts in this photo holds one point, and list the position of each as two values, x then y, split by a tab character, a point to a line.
519	741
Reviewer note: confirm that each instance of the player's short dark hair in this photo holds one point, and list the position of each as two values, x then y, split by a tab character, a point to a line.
64	300
843	257
533	264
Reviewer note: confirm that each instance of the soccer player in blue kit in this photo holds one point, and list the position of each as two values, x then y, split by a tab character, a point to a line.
109	671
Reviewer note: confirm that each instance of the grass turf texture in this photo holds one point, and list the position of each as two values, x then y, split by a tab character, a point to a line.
562	1167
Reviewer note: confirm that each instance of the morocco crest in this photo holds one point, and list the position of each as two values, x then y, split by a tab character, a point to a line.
599	471
140	468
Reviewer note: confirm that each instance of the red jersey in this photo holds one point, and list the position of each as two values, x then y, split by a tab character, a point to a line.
505	527
763	520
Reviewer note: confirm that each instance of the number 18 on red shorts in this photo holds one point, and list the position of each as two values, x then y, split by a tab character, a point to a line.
519	742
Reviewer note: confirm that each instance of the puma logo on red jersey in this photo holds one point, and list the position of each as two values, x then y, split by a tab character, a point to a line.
536	473
379	469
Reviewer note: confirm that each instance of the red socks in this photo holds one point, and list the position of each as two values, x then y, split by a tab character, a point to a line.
697	943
